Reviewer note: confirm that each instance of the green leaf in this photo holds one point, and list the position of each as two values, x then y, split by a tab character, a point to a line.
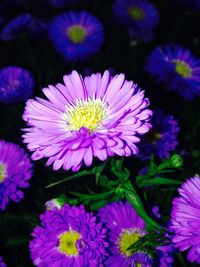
159	181
69	178
136	202
117	169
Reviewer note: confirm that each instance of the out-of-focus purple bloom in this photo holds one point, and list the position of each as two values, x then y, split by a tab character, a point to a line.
177	68
69	236
98	116
162	139
76	35
125	229
185	219
24	24
16	84
15	171
139	16
156	211
2	264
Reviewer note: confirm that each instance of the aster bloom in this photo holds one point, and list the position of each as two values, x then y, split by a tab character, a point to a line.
185	219
69	236
139	16
16	84
97	116
21	25
125	229
162	139
177	68
76	35
15	171
2	264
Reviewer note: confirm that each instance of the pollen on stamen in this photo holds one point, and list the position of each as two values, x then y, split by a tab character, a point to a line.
85	113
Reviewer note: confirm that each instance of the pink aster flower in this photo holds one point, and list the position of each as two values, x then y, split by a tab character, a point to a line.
98	116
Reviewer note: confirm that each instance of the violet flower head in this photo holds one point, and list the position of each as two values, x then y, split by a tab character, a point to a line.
16	84
24	24
98	116
69	236
177	68
185	219
162	139
15	172
125	228
76	35
139	16
2	264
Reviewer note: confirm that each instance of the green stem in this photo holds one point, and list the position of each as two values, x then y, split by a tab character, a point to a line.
74	176
135	201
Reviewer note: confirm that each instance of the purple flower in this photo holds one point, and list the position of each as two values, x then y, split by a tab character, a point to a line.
2	264
185	219
69	236
177	68
139	16
76	35
16	84
15	171
97	116
125	228
162	139
21	25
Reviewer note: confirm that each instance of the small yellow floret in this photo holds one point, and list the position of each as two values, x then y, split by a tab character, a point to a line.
127	238
2	172
182	68
67	243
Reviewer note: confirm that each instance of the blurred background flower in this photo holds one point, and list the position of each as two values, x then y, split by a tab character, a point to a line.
16	84
177	68
76	35
15	171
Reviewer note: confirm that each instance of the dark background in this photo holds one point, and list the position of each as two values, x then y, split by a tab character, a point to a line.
178	24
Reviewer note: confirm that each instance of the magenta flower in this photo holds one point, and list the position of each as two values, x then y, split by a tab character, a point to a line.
15	172
97	116
185	219
69	236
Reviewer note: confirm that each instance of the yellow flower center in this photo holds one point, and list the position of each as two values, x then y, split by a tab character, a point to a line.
136	13
2	172
67	244
86	113
76	33
126	239
182	68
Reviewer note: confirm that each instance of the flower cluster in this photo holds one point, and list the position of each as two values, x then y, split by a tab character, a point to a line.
70	236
